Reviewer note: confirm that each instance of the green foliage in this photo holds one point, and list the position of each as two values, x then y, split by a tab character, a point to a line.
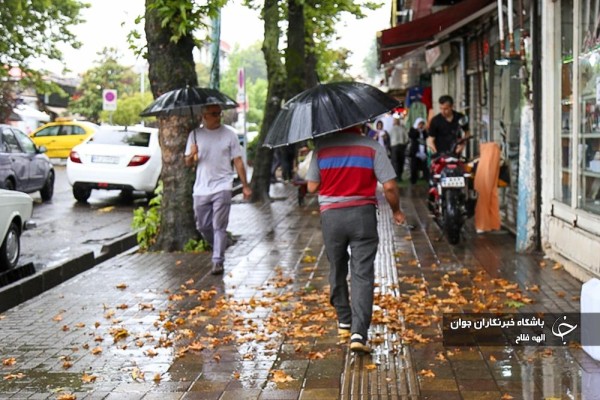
128	109
31	30
514	304
321	19
251	149
109	74
253	62
203	74
370	62
332	65
147	221
196	246
183	17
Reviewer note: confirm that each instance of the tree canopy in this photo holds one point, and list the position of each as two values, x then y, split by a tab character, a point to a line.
32	29
108	74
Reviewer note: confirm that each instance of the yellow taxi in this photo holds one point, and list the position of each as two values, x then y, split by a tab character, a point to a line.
60	136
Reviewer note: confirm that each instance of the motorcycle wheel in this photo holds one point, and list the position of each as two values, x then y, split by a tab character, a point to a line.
452	217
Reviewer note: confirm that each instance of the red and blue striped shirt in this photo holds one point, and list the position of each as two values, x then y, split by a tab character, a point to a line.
348	167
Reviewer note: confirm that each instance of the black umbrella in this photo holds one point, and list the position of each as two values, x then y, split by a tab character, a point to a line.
187	101
327	108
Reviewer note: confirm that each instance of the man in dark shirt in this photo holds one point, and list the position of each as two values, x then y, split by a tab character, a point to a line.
444	129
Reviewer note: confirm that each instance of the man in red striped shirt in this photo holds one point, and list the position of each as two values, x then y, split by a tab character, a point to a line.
345	169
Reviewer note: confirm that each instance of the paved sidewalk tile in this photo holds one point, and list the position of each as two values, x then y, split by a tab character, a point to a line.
150	325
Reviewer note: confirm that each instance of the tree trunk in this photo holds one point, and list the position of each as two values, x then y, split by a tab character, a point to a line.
171	66
261	178
310	69
294	54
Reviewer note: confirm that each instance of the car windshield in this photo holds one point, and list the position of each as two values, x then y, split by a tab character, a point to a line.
121	138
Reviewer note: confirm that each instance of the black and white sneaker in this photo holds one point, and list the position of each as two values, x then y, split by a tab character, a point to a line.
344	330
358	344
217	269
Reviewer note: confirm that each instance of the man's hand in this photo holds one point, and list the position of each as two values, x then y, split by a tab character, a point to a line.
431	144
399	217
390	191
246	192
192	158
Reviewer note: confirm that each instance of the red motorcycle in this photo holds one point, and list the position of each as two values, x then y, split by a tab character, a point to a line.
451	195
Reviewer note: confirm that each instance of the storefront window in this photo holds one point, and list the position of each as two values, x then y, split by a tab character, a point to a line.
564	186
589	101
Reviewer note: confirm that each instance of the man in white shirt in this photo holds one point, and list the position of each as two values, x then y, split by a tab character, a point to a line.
212	147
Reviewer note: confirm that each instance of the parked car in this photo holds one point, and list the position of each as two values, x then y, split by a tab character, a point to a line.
15	216
60	136
121	158
23	165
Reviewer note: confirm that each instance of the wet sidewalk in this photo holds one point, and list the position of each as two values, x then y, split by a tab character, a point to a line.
159	326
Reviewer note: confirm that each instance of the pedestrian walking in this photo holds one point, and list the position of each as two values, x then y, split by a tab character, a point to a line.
398	142
345	169
416	151
212	148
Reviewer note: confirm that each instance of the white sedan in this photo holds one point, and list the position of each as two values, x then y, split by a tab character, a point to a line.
15	216
116	158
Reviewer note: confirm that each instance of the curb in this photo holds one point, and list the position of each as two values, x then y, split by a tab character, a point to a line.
27	288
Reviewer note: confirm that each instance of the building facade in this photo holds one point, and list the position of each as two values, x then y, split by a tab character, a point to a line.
571	125
528	75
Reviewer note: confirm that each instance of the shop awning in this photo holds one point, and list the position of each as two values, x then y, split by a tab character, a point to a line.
401	39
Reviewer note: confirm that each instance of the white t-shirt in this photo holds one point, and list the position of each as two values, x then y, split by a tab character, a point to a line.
217	148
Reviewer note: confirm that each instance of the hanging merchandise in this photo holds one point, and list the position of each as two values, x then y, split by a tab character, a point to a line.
416	110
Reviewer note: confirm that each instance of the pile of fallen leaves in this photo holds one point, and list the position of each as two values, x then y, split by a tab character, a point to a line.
198	320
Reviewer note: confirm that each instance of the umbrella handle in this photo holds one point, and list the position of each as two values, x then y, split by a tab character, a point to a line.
194	121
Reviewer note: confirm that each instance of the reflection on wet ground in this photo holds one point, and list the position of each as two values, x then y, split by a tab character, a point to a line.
148	326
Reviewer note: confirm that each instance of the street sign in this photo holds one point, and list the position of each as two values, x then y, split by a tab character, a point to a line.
109	100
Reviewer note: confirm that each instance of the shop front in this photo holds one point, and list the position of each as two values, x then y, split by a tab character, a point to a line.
464	56
571	126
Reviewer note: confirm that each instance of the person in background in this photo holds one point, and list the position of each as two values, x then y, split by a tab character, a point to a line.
287	158
381	134
398	143
345	168
416	151
444	128
213	147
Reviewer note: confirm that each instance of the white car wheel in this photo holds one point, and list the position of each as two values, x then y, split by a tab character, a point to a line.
11	247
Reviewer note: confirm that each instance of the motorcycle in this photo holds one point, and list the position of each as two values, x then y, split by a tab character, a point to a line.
452	197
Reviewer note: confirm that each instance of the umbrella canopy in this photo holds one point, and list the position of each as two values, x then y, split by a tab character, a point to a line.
327	108
187	101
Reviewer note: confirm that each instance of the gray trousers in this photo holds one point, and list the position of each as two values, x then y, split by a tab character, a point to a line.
212	218
354	228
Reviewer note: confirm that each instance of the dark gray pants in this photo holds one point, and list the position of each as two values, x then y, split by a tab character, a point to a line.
212	218
354	228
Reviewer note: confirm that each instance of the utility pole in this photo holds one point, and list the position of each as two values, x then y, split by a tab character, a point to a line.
215	47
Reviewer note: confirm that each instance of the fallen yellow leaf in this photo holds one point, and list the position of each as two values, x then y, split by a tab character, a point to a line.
122	286
427	373
11	377
88	378
136	374
9	361
279	376
66	396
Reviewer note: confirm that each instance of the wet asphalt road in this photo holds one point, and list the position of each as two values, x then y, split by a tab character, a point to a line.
67	229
